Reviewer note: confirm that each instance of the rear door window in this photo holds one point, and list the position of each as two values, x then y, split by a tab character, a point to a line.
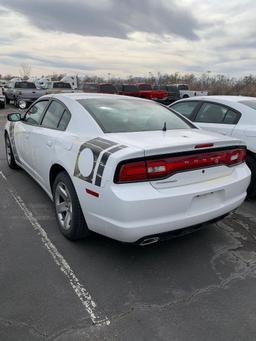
185	108
232	117
211	113
64	120
53	115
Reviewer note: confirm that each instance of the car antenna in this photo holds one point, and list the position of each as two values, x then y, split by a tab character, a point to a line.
164	127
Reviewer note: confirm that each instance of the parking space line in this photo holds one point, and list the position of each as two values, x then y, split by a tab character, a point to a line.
82	293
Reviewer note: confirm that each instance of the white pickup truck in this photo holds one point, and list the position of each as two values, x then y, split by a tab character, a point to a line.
186	93
22	90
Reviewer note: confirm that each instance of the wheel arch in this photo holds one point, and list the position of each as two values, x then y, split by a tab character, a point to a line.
54	171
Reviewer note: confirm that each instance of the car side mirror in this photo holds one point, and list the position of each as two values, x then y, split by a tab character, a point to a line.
14	117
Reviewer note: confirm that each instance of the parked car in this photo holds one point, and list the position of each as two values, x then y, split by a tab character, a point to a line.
22	90
125	167
128	90
2	99
185	92
173	92
103	88
229	115
58	87
147	92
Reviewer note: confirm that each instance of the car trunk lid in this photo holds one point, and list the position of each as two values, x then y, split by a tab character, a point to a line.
159	145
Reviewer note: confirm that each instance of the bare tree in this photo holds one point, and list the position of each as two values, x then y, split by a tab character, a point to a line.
25	71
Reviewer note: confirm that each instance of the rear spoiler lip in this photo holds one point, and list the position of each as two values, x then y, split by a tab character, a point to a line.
185	153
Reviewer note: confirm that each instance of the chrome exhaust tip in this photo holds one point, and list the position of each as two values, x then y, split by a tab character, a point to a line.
148	241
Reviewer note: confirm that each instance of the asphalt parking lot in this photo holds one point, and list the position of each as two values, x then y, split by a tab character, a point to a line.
198	287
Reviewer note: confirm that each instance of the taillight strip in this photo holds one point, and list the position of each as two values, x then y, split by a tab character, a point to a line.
165	166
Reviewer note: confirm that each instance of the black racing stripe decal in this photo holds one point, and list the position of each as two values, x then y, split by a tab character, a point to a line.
96	145
12	140
103	162
102	143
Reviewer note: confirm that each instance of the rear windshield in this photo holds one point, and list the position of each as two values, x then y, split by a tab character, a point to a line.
145	87
172	88
61	85
131	88
25	85
251	104
91	87
126	115
182	87
108	88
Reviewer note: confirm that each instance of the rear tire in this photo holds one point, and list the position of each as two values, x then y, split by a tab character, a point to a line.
9	154
251	163
67	208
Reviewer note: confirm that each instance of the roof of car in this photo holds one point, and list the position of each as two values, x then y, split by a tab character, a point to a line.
86	95
221	98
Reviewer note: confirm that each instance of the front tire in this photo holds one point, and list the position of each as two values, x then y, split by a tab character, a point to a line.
67	208
9	154
251	163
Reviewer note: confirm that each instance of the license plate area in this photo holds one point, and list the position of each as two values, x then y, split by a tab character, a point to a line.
207	201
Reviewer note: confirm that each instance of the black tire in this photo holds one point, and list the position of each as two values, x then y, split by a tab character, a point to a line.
7	100
77	227
185	96
251	163
9	154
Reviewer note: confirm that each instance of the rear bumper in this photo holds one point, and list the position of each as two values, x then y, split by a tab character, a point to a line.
130	212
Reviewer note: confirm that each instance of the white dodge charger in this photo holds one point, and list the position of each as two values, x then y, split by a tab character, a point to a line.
127	168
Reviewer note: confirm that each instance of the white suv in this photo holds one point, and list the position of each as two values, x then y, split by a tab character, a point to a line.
228	115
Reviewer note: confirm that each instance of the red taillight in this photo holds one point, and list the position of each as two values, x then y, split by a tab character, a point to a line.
160	168
134	171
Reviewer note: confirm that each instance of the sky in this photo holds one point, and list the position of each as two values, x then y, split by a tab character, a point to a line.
122	38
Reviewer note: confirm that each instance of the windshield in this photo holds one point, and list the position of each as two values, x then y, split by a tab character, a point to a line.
25	85
61	85
172	88
145	87
90	87
251	104
131	88
182	87
126	115
107	88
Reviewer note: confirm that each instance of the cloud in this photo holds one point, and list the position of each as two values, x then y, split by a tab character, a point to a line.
80	36
112	18
52	62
